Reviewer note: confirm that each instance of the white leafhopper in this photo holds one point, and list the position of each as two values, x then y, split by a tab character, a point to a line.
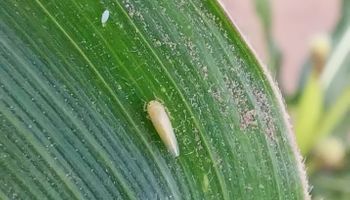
104	18
162	124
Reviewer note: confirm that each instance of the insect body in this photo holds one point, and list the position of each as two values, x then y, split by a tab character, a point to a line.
162	124
104	18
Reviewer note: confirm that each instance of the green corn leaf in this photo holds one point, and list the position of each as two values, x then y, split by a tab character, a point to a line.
263	10
334	85
335	76
73	92
308	115
335	79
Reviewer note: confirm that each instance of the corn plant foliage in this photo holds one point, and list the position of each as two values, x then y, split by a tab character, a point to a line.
335	77
73	91
337	119
338	88
332	89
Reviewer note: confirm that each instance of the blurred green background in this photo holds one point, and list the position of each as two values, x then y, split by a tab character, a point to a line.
306	46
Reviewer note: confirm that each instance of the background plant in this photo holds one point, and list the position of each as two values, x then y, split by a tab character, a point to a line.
321	106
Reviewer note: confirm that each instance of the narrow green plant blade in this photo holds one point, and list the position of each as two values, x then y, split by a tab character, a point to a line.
309	113
335	75
334	83
264	12
336	114
334	78
73	91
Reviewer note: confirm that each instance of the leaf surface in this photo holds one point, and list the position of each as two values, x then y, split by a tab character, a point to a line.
72	96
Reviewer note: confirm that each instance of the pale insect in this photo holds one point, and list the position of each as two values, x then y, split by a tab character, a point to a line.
162	124
104	17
